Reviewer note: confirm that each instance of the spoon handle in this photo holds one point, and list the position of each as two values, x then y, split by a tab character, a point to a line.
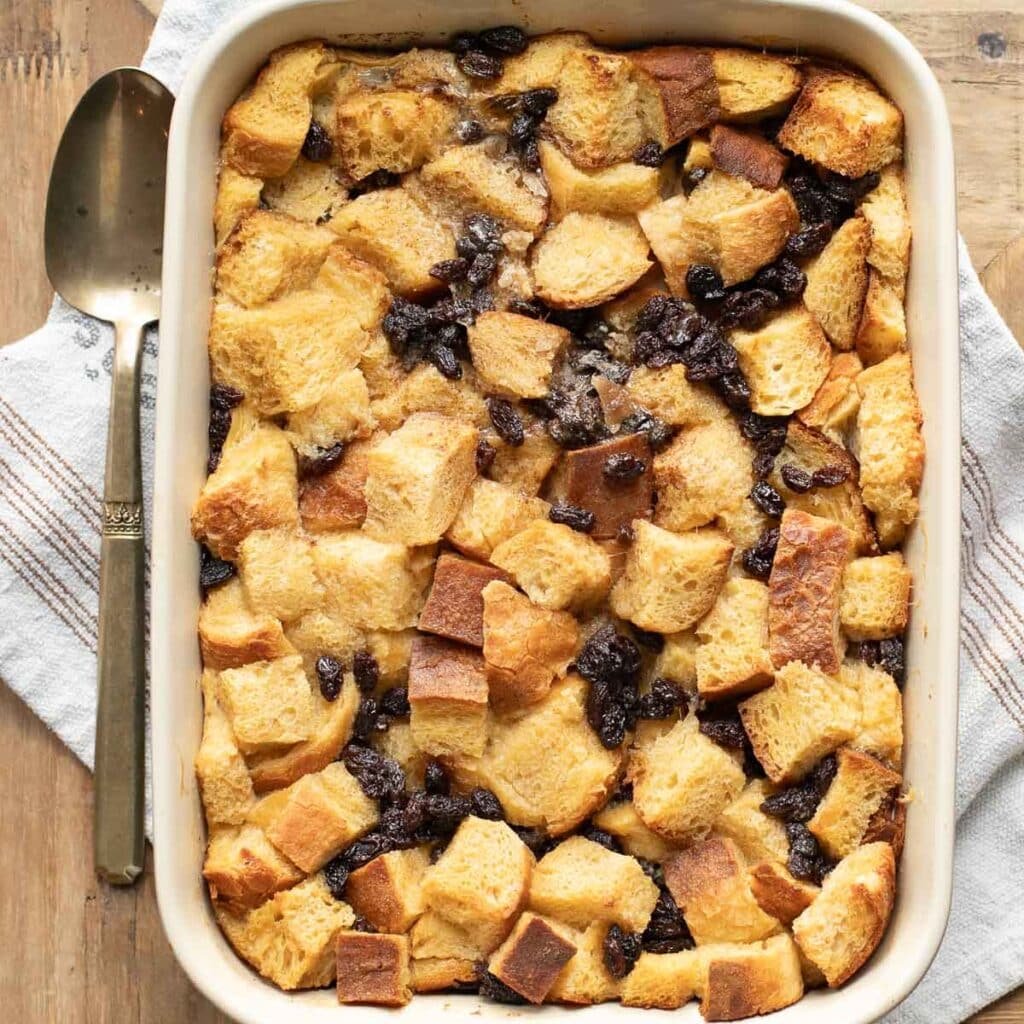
120	715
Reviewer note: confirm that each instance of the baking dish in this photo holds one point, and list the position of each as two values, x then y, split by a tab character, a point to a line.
226	63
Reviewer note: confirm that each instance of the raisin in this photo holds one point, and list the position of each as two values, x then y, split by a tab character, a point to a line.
445	361
609	657
482	269
497	991
450	270
376	180
765	433
379	777
796	479
484	233
485	804
830	476
317	145
891	658
445	813
522	128
621	951
762	464
576	416
666	930
336	876
485	454
533	308
368	720
693	177
622	467
767	499
650	349
463	42
704	282
536	840
809	241
650	154
797	803
213	571
537	101
722	724
328	674
506	421
581	520
784	278
362	851
806	861
823	774
360	924
658	432
223	396
322	461
477	64
602	838
652	313
662	699
435	779
757	561
395	702
748	309
507	40
612	729
366	671
470	130
649	640
394	825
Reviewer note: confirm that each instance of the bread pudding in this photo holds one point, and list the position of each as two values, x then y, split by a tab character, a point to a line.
563	441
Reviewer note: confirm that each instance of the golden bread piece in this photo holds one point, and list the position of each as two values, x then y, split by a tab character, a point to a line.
667	394
531	958
833	409
373	969
237	195
310	191
425	390
837	283
490	514
342	414
686	82
778	893
622	821
753	86
621	188
748	154
232	634
585	979
883	323
880	731
436	974
434	937
842	927
224	783
540	64
243	869
387	891
875	599
759	836
746	979
885	210
664	981
525	467
455	604
515	355
277	571
334	500
677	660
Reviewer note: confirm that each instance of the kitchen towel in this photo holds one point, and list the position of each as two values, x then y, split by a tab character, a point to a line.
54	388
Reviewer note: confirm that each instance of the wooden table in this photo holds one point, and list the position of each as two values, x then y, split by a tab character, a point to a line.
78	953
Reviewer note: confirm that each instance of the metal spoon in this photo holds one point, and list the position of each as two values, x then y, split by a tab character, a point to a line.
104	238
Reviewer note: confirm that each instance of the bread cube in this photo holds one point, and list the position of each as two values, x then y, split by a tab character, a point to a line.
888	824
243	869
860	788
540	64
254	487
525	647
842	927
291	939
885	210
398	235
706	470
448	697
391	130
341	415
580	882
585	979
882	330
482	880
566	785
615	503
525	467
746	979
387	890
317	817
557	567
682	781
686	82
437	974
621	188
490	514
802	717
710	885
588	258
237	194
677	660
531	958
455	604
515	355
469	177
743	524
310	191
671	580
664	981
842	122
374	969
224	782
833	409
752	85
397	743
778	893
278	573
875	600
334	500
890	446
434	937
269	703
369	583
622	821
265	128
425	390
667	394
837	282
417	477
232	634
758	836
880	730
749	155
785	361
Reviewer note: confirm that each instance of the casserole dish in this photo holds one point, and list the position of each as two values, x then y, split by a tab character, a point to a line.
219	73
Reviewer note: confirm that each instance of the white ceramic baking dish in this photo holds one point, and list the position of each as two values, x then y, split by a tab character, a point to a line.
226	63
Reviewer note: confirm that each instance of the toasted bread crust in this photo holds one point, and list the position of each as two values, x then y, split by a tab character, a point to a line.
455	604
373	969
686	81
748	155
531	958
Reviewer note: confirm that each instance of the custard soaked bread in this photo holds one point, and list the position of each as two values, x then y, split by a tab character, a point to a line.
563	438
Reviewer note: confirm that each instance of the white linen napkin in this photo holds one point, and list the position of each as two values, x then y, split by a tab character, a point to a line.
54	389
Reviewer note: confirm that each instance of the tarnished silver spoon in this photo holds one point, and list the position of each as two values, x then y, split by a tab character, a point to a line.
104	239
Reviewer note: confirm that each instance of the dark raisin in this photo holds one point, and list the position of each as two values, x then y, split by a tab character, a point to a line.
831	476
609	657
767	499
796	479
481	300
463	42
360	924
666	931
366	671
379	777
762	464
734	390
757	561
653	312
784	278
466	247
336	876
806	861
650	349
444	813
362	851
484	232
477	64
507	40
823	773
522	128
533	308
612	730
797	803
766	433
809	241
444	360
435	778
213	571
450	270
748	309
592	361
470	130
395	702
317	145
649	640
722	724
393	824
582	520
506	421
650	154
328	674
368	720
621	951
497	991
536	840
537	101
485	804
704	282
376	180
482	269
891	658
662	699
622	467
693	177
485	454
321	461
602	838
223	396
658	432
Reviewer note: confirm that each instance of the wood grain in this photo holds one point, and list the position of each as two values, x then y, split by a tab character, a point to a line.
79	953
